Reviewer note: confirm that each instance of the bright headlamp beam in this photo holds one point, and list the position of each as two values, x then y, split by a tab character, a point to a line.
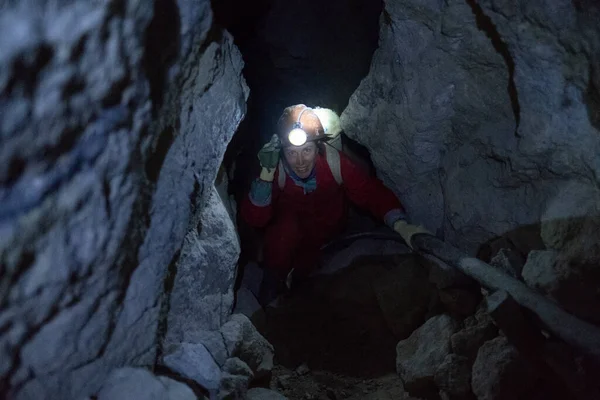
297	137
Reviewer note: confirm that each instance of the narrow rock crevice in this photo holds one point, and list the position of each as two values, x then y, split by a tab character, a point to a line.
162	45
168	284
485	24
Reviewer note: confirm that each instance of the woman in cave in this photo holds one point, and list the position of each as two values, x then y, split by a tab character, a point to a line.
301	197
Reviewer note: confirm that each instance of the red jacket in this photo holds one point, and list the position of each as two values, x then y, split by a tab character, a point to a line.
323	212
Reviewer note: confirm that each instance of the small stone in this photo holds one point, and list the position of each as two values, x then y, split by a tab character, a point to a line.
302	369
283	381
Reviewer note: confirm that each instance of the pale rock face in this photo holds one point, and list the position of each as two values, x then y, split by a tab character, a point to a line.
115	121
137	383
420	355
473	140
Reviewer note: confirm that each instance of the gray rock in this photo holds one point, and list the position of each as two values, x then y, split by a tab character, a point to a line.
246	343
236	366
462	152
540	270
137	383
467	341
419	356
508	261
263	394
568	272
454	376
499	373
212	340
235	379
94	210
202	293
193	361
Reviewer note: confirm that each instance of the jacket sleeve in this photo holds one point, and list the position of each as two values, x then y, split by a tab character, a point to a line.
370	193
257	206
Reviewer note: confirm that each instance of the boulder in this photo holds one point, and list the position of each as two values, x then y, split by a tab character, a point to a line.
476	332
419	356
508	261
568	272
212	340
453	376
193	361
499	373
136	383
243	341
235	379
93	212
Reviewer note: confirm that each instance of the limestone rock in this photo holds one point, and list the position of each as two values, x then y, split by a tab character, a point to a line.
202	293
467	341
194	362
263	394
475	124
94	210
419	356
508	261
212	340
246	343
568	272
499	373
454	376
137	383
235	379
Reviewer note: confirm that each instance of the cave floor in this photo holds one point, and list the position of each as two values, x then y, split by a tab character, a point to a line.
332	340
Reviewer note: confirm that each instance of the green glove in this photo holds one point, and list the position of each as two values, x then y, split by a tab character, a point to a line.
269	154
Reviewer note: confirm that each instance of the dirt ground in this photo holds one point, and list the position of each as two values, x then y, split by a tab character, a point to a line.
332	341
305	384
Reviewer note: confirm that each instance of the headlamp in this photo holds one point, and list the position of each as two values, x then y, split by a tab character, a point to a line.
298	135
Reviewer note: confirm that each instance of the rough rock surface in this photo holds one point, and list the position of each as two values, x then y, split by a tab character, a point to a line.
509	262
137	383
235	379
115	120
419	356
499	373
202	293
475	124
193	361
467	341
244	342
454	376
569	272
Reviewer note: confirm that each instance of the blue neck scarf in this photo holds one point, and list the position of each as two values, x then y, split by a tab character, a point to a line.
309	184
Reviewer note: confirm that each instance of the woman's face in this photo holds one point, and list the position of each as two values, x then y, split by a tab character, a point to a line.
301	159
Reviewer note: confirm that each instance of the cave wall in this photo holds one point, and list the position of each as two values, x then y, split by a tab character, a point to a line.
115	118
480	113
